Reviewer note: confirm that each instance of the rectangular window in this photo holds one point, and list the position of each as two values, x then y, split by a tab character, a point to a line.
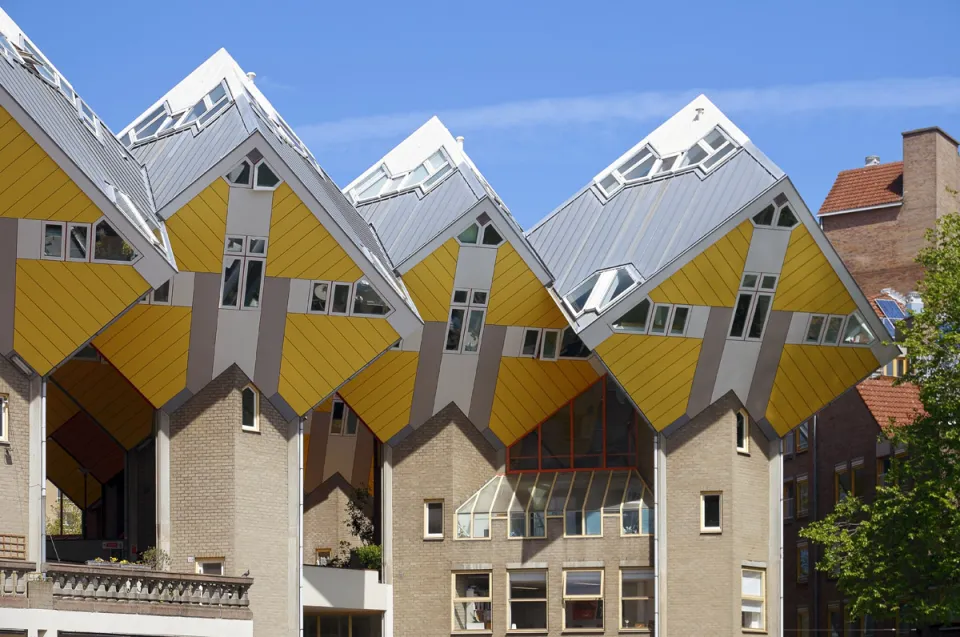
678	324
465	327
78	242
803	436
858	477
789	498
161	296
661	313
832	335
471	340
209	565
250	409
527	600
323	557
551	342
803	561
472	609
582	599
4	418
433	519
815	328
803	621
753	598
253	283
883	466
636	599
337	416
455	329
742	437
710	512
53	241
788	444
834	621
841	483
531	342
753	308
230	293
318	297
803	495
740	314
341	299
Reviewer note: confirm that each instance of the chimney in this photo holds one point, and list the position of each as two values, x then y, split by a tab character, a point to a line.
460	141
872	160
914	303
251	76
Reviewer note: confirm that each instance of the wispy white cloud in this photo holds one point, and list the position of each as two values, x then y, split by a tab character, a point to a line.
265	81
869	95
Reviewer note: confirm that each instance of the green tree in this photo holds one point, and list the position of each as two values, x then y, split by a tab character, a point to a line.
901	552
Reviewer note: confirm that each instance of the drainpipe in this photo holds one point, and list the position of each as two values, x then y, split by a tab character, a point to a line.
815	486
656	535
300	528
43	475
780	534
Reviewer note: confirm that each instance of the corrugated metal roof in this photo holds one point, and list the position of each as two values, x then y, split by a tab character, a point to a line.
649	224
175	161
406	222
107	162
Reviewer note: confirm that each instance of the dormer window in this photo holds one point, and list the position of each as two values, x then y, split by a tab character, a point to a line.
258	176
601	289
161	119
266	179
776	215
708	151
241	175
381	183
484	234
208	106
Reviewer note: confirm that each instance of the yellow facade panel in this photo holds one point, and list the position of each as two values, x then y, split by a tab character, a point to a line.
660	390
713	276
149	345
60	305
430	282
810	376
198	230
528	391
321	352
300	247
382	393
517	297
808	283
65	472
60	408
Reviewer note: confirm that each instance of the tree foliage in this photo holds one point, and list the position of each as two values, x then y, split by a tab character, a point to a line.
901	552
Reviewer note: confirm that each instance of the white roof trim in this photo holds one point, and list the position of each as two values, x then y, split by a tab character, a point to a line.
881	206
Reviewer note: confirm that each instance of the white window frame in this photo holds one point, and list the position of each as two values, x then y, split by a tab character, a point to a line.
574	598
468	309
200	561
234	184
775	220
4	418
710	150
151	297
745	448
256	170
330	294
481	229
543	342
93	243
532	600
326	303
859	317
256	408
755	292
209	104
91	121
479	600
762	599
820	332
427	535
346	414
63	241
621	627
245	256
602	291
89	247
523	339
636	330
704	529
686	323
666	325
353	299
398	183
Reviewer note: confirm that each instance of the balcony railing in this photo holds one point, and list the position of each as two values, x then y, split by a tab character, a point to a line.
130	590
13	582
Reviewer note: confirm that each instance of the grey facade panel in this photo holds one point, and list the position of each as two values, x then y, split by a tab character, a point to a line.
648	225
273	321
104	162
8	282
406	222
203	330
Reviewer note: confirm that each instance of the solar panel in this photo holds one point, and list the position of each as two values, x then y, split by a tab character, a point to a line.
890	309
888	323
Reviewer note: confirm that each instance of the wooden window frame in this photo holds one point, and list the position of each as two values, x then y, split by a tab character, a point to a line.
620	626
762	599
564	598
803	611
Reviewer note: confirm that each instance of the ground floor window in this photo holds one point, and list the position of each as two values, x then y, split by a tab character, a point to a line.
472	609
582	599
636	599
368	625
527	608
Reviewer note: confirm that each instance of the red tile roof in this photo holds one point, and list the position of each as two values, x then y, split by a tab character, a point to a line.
865	187
886	400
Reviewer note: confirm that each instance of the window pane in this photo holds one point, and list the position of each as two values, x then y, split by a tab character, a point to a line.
573	515
621	428
471	341
637	613
740	315
635	318
472	615
231	283
594	523
460	296
752	583
679	323
641	170
234	244
571	346
363	626
528	585
470	235
578	297
813	331
479	298
559	494
630	520
803	436
787	218
583	613
609	184
583	583
660	316
550	338
491	237
857	331
715	139
588	428
249	400
517	524
463	525
711	511
759	316
336	417
637	583
434	518
723	152
528	615
530	340
618	482
318	300
351	428
78	242
555	441
769	282
472	585
523	453
752	614
765	216
538	524
454	330
833	330
162	293
341	298
266	177
366	300
695	155
252	284
621	284
646	514
53	241
258	246
749	282
481	525
240	174
741	431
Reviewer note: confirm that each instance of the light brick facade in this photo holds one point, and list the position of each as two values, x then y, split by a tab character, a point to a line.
15	453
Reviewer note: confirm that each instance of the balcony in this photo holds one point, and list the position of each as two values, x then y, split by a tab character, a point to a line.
327	587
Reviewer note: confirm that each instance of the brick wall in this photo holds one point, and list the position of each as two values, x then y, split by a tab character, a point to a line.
703	570
325	518
229	495
447	458
15	453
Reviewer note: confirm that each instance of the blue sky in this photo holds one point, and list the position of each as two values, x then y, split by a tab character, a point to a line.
546	94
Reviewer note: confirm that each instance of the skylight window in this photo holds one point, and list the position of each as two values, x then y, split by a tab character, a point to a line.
484	234
36	60
708	151
601	289
9	50
146	224
161	119
258	176
425	176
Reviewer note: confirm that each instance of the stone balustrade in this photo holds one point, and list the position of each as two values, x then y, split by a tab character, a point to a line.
113	588
13	579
